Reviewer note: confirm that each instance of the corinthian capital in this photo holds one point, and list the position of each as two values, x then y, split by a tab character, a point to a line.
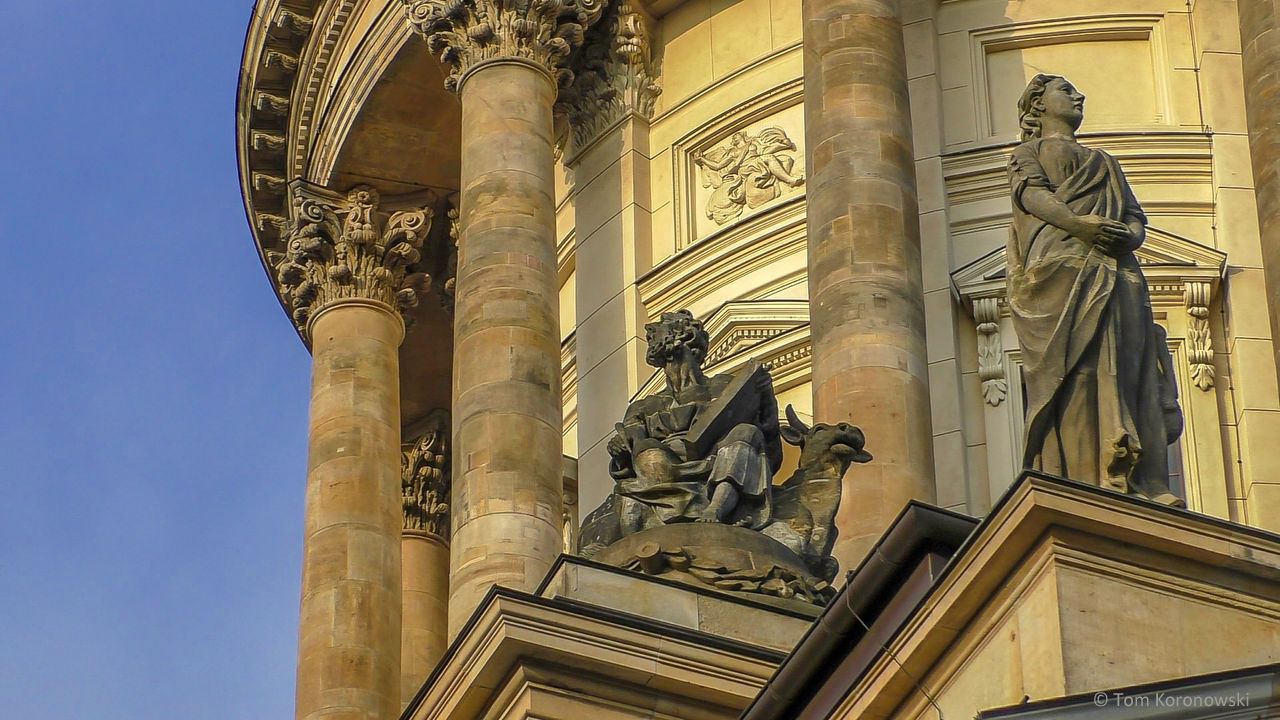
614	75
353	245
425	480
468	32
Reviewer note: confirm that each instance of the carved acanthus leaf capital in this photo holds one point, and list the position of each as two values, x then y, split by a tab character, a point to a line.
614	75
467	32
356	245
425	479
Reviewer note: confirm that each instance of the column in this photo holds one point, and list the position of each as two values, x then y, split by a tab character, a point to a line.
424	548
866	295
1260	50
506	59
348	278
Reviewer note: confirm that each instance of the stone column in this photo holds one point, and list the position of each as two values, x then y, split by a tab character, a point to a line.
424	548
1260	46
866	296
507	60
347	275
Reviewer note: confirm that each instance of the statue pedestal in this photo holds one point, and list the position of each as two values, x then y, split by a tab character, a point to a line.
732	560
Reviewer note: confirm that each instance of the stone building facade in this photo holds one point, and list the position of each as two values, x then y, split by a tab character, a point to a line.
471	208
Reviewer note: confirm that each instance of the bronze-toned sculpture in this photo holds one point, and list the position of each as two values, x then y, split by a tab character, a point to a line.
1102	404
702	449
694	466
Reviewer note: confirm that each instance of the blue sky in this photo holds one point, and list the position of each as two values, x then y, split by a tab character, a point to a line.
152	439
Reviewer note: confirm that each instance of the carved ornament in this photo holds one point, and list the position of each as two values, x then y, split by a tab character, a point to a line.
425	479
614	75
351	246
995	387
1199	334
466	33
747	171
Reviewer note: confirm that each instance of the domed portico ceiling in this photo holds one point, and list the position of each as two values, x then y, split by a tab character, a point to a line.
340	93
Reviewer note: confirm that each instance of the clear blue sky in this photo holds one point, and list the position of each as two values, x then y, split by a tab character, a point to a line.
152	439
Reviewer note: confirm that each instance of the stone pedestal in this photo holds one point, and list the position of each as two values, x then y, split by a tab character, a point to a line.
598	642
424	636
507	504
1260	45
349	645
866	296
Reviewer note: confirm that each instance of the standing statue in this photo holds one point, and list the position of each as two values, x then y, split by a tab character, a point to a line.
1102	405
694	464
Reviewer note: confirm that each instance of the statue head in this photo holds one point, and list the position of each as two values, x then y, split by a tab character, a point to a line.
1049	96
673	336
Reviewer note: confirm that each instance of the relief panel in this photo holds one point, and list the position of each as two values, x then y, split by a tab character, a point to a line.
740	165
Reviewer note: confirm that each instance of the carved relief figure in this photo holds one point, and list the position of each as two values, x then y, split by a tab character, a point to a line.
424	479
747	172
702	449
1102	403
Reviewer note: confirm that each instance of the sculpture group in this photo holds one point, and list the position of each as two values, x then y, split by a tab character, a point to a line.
695	463
704	450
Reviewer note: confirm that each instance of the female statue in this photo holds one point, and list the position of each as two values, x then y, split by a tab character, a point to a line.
1101	400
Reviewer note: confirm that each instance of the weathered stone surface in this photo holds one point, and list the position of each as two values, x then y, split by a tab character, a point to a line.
349	638
426	481
507	489
425	628
352	245
468	33
1260	43
1102	402
865	289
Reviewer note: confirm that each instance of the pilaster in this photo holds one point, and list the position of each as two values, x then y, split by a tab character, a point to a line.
612	100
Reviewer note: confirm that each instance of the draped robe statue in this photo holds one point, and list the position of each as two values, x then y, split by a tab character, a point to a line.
1101	398
664	473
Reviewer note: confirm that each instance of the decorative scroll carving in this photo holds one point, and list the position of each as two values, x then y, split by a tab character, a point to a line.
425	480
271	104
350	246
614	75
267	221
747	171
267	142
268	183
293	23
995	387
1199	339
284	61
468	32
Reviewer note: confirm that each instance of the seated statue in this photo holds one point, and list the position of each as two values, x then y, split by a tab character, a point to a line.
694	465
700	450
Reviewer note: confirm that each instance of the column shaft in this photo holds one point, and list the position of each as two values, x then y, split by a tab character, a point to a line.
349	646
506	380
1260	44
425	637
866	296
